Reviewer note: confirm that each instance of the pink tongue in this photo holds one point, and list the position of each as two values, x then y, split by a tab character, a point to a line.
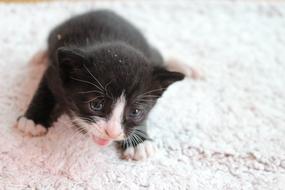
101	141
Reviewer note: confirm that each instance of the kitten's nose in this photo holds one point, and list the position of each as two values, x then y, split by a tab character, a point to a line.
113	131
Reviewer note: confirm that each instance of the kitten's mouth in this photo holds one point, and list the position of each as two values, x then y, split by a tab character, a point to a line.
101	141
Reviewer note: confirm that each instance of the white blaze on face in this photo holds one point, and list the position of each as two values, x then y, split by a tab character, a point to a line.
113	126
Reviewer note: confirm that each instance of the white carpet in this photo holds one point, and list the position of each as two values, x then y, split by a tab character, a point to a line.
224	132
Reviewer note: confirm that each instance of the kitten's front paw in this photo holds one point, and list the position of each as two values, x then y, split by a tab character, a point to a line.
140	152
28	126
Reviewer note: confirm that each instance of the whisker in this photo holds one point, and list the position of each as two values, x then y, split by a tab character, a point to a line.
139	139
140	130
132	141
91	91
77	132
151	91
145	100
134	138
139	133
87	82
79	127
99	131
125	143
93	77
142	134
86	118
128	141
149	95
80	131
94	99
95	126
149	98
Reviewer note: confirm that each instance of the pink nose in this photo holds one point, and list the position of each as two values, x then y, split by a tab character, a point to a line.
113	131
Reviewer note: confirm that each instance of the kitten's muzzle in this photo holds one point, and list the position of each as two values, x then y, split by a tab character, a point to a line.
114	131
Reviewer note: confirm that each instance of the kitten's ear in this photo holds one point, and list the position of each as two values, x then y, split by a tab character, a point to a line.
164	78
69	58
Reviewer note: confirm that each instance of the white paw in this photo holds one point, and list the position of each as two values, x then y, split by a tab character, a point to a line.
27	126
140	152
187	70
40	57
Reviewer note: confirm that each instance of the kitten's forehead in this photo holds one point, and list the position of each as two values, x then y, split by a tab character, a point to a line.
121	70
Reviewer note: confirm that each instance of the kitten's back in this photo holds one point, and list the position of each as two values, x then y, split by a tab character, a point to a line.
96	27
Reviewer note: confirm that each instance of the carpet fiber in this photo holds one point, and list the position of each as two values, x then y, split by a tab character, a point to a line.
225	131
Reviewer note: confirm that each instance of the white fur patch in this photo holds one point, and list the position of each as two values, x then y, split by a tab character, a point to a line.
187	70
117	113
140	152
27	126
114	124
40	57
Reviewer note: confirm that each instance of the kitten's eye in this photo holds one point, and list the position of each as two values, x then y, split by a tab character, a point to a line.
96	105
136	113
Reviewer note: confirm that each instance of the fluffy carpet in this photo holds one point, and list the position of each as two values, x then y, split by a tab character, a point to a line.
225	131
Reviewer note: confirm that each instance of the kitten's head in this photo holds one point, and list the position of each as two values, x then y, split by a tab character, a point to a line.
111	89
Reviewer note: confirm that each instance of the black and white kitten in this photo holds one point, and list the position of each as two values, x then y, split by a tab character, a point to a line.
103	74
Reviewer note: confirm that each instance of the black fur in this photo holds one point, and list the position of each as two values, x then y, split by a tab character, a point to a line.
104	45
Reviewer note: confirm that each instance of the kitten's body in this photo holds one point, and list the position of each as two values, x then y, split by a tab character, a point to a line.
105	76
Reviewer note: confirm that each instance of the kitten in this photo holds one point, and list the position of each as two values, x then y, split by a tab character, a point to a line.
103	74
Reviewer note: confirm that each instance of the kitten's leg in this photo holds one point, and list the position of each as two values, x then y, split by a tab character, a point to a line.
139	146
40	57
188	71
174	65
38	118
